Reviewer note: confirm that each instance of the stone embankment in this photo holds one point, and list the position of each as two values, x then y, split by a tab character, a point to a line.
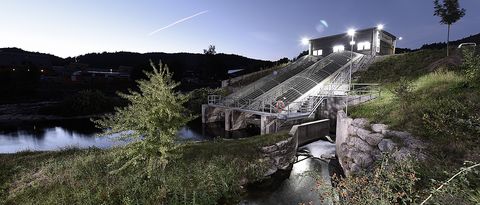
359	143
279	156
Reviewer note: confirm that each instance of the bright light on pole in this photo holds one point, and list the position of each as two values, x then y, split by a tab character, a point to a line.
400	38
305	41
350	32
380	26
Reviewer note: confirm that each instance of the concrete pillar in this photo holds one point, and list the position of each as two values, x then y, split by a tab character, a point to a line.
228	119
265	125
204	113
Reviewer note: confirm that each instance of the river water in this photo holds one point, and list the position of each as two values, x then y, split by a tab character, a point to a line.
55	135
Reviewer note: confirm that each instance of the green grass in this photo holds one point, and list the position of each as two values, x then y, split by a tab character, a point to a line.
409	65
205	173
440	106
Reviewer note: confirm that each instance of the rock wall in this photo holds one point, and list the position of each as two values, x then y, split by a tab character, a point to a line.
359	143
279	156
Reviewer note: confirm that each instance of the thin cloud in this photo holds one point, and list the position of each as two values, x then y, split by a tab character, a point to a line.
177	22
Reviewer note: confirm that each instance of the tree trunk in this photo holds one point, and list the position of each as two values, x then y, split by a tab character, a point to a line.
448	38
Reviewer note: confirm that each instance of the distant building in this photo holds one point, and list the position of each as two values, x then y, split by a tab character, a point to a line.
99	74
370	41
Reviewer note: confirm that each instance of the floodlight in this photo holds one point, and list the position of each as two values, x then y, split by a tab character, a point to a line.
351	32
380	26
305	41
400	38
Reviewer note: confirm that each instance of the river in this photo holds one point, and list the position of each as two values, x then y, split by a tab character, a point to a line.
81	133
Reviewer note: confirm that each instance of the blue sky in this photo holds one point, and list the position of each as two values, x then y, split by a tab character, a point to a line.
267	29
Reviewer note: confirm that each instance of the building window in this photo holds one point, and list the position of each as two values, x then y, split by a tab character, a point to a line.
363	46
318	52
338	48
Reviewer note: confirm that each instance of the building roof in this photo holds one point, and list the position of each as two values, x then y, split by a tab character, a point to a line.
362	30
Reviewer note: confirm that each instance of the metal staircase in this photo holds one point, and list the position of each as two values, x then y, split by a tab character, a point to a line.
301	94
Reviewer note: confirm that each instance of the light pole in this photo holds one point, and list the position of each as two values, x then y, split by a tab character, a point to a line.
350	32
396	41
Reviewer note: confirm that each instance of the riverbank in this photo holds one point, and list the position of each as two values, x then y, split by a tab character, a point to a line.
204	173
29	112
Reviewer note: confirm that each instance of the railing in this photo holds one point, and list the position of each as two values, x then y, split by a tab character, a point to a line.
267	102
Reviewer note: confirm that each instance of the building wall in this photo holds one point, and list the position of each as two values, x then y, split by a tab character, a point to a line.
383	46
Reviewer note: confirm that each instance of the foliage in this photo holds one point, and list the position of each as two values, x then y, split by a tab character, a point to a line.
85	102
205	173
199	96
443	109
390	182
462	187
449	11
150	121
471	65
403	93
210	50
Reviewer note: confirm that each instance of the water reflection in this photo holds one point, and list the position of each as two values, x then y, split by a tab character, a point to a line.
54	135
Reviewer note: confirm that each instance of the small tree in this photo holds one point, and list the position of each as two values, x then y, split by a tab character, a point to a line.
210	50
150	121
450	13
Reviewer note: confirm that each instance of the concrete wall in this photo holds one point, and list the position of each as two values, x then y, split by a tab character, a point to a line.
212	114
331	105
310	131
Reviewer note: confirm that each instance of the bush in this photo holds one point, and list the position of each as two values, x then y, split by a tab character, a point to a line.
390	182
471	65
150	121
85	102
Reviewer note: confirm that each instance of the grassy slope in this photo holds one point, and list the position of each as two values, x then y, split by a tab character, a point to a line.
205	173
441	108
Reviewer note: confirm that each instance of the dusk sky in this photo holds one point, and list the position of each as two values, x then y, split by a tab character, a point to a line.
267	29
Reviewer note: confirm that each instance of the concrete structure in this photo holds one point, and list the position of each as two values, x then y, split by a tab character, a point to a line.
370	41
310	131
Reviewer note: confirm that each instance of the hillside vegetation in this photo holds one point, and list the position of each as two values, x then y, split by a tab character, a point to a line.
438	100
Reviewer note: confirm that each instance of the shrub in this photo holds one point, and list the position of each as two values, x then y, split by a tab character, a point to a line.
471	65
390	182
151	121
85	102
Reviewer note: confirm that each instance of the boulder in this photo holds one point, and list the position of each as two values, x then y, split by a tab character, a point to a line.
269	149
387	145
371	138
359	144
402	154
352	130
360	122
354	168
380	128
398	134
362	159
374	138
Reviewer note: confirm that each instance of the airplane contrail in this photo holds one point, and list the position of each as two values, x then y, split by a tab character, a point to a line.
177	22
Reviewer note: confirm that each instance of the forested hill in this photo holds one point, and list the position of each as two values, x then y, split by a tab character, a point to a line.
204	70
471	39
201	66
